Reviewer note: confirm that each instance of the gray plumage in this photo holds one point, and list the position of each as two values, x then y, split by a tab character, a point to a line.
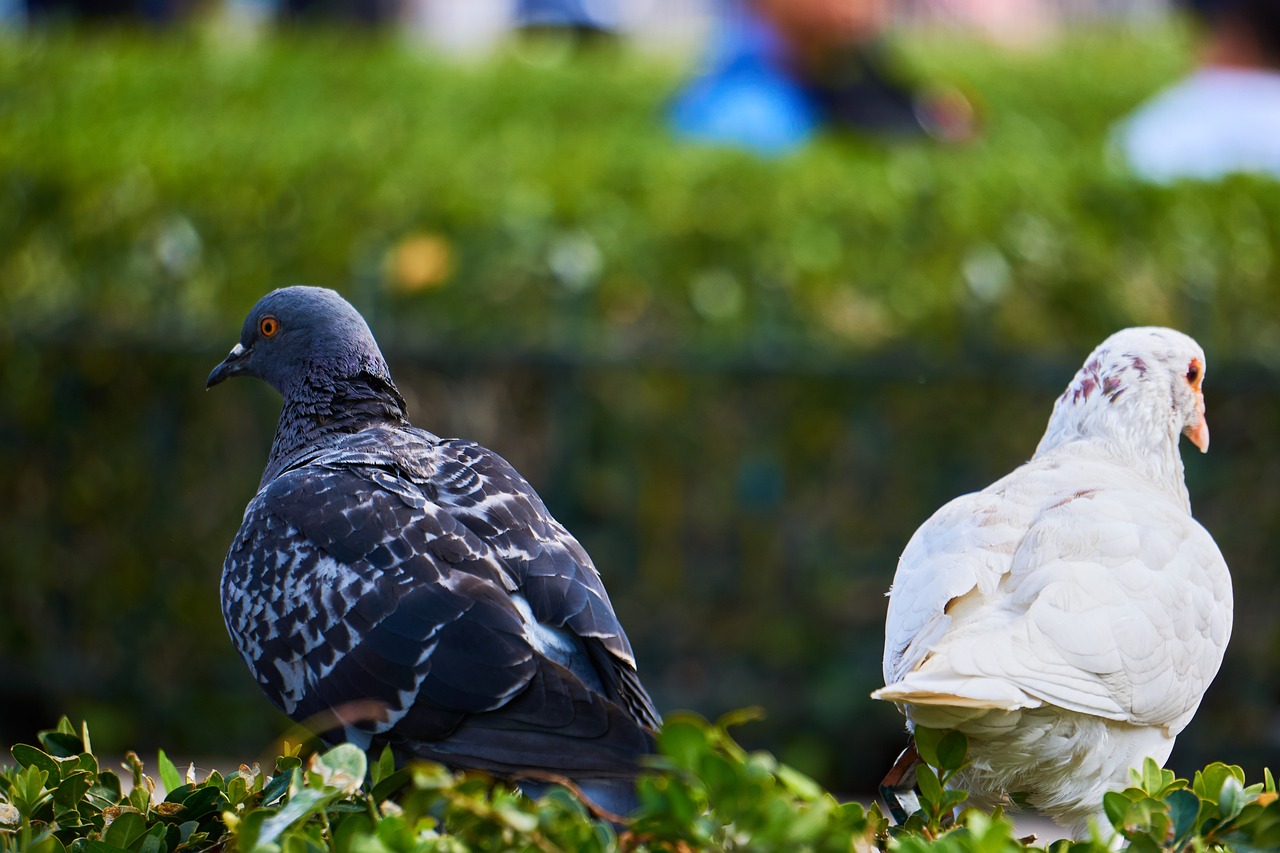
416	589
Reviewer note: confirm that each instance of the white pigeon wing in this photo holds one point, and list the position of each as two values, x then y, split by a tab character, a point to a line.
1113	601
965	548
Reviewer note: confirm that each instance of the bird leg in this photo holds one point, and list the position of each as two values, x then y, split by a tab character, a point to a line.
593	808
897	788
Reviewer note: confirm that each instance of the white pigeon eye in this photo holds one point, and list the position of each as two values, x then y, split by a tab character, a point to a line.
1193	371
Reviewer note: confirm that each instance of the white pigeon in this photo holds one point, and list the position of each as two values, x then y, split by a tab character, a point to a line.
1069	617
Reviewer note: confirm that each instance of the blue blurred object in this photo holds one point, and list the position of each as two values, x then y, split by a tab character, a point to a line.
745	97
765	94
13	13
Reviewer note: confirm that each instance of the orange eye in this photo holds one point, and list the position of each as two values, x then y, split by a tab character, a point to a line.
1193	371
268	326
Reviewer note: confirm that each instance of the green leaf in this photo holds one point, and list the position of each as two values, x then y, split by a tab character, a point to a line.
952	751
1116	805
1151	779
201	801
383	767
249	829
343	767
94	846
798	783
48	844
28	786
352	831
168	773
740	716
1208	782
276	788
303	804
127	828
1184	808
516	818
391	783
72	789
237	790
180	793
952	798
927	741
683	739
1230	798
62	744
1144	844
286	763
930	786
140	799
88	762
29	756
108	788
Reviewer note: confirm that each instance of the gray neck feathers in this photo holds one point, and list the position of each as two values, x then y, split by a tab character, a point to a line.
321	409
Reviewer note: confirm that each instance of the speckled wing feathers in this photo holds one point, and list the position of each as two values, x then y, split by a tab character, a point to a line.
391	567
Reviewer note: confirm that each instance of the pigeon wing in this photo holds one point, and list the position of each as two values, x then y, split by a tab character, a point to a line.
551	568
963	551
351	581
1105	598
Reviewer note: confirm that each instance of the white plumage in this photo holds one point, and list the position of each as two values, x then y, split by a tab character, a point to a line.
1069	617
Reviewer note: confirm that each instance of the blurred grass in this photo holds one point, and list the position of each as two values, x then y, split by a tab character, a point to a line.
742	383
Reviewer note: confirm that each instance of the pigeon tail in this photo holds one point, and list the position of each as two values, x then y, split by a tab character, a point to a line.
957	691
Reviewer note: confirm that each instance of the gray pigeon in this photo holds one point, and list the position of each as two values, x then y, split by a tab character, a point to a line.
414	591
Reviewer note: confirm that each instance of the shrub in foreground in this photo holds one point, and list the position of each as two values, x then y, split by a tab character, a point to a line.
704	792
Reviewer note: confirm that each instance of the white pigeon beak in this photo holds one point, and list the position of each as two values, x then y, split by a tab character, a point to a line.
1199	431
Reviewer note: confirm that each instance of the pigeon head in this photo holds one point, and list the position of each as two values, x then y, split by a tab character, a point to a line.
298	337
1139	390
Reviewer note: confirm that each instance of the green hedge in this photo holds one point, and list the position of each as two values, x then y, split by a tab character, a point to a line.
154	187
703	792
742	383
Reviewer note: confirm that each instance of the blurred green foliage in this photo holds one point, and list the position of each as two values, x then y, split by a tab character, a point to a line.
742	383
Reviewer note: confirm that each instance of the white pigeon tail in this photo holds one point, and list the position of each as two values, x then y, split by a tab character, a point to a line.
1069	617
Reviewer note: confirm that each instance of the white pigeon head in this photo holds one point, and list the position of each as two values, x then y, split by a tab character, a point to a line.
1137	393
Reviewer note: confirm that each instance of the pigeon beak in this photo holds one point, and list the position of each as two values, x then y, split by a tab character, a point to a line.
1198	432
232	365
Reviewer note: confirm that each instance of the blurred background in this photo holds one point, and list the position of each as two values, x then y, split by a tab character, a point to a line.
746	290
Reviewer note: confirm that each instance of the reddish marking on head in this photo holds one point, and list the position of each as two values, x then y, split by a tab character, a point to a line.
1112	388
1139	365
1089	381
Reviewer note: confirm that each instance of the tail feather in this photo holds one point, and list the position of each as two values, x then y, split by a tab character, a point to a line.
957	691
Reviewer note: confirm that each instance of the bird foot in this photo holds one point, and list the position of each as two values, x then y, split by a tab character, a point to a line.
897	788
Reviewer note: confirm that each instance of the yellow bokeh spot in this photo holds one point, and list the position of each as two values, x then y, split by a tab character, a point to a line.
419	262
